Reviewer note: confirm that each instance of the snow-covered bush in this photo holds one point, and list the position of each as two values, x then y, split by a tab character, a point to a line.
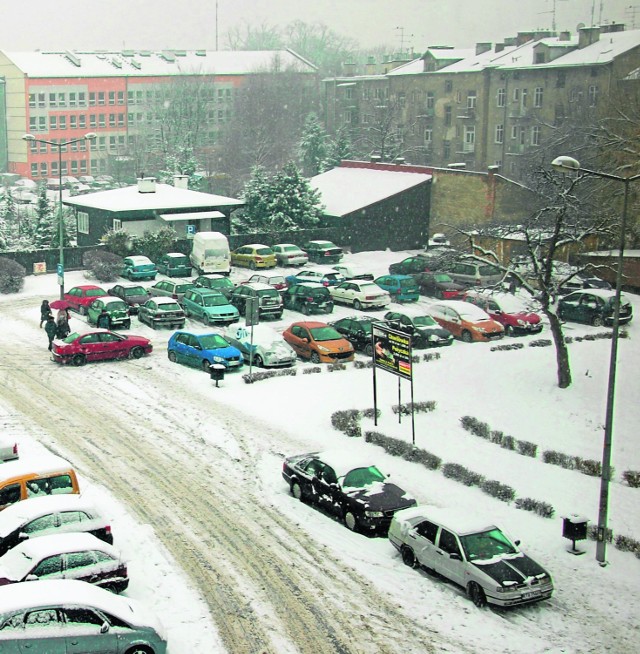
312	371
336	366
541	508
558	459
627	544
632	477
11	276
427	459
540	342
403	449
347	421
362	364
507	346
589	467
418	407
431	356
104	266
526	448
268	374
475	426
461	474
508	443
371	413
499	490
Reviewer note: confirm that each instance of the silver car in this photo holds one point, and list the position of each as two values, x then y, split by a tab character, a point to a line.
470	552
61	616
8	448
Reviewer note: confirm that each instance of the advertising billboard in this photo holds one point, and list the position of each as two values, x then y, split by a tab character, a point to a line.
392	351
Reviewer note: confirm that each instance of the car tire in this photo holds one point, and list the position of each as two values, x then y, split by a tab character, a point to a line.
187	313
82	310
357	305
139	649
297	492
306	309
597	321
408	557
315	358
476	594
466	336
78	360
136	352
508	330
252	265
206	365
172	356
439	294
368	349
351	521
126	325
257	361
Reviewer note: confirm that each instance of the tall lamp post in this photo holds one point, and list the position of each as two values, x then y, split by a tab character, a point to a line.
91	136
569	164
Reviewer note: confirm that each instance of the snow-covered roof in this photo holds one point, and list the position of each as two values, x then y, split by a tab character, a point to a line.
461	522
631	254
466	309
145	63
410	68
165	198
475	62
344	190
39	464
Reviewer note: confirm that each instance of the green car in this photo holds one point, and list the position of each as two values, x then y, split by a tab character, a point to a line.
220	283
139	267
209	306
174	264
117	309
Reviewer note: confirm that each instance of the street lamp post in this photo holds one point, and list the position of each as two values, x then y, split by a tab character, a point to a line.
59	145
569	164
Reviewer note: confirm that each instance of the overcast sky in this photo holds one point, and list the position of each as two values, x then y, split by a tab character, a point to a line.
191	24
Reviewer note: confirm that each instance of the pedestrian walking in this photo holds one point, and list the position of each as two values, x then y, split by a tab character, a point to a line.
103	321
51	328
45	312
62	323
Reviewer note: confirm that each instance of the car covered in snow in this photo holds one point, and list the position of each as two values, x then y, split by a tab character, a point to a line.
174	264
360	294
288	254
321	274
8	448
423	328
269	349
594	306
466	321
323	251
138	267
511	311
99	345
351	488
133	294
471	552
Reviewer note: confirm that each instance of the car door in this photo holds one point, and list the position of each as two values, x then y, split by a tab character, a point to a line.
571	306
91	347
113	347
422	539
448	559
84	632
43	632
192	350
298	336
50	567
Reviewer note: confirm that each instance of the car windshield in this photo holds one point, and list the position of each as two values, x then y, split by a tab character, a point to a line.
488	270
424	321
213	342
216	300
72	337
486	544
359	477
17	564
407	284
95	292
325	334
443	279
169	306
291	248
137	290
116	306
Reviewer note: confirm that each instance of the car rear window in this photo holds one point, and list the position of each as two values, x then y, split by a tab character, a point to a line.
138	290
96	292
268	292
320	293
183	288
489	270
408	284
264	251
169	306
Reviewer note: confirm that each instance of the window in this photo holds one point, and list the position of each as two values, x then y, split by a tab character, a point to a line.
448	86
53	122
33	127
73	122
102	120
79	560
44	169
430	101
41	98
82	99
427	530
446	149
121	120
593	96
501	97
458	97
117	224
62	99
537	96
138	97
514	131
83	166
82	121
120	97
516	95
447	116
448	542
32	100
54	167
471	100
562	76
42	123
63	122
34	170
92	121
72	99
499	136
524	97
112	97
469	138
539	58
112	120
92	99
428	136
112	143
74	167
535	135
102	143
101	97
53	100
49	566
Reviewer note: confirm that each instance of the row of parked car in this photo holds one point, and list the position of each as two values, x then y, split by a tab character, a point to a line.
60	573
468	550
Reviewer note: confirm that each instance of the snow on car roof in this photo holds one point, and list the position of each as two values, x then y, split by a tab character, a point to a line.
163	299
35	464
175	254
605	293
138	259
343	462
461	522
507	301
463	308
20	512
45	546
110	299
259	286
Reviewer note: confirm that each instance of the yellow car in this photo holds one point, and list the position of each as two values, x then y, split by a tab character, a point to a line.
254	256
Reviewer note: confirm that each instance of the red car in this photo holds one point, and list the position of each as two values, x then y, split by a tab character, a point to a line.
80	297
98	345
510	311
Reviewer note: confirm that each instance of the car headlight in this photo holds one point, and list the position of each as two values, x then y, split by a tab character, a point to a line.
503	589
374	514
323	349
218	359
522	323
482	330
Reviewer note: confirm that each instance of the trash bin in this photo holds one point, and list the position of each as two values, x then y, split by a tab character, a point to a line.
574	527
216	372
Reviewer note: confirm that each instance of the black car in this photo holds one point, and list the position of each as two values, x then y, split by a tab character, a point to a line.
267	297
409	266
310	297
594	307
357	331
440	285
423	329
323	252
133	294
358	494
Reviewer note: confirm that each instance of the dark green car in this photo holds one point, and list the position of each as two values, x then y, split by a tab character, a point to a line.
594	307
117	310
174	264
220	283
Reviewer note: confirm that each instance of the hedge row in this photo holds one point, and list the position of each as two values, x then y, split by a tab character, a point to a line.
585	466
482	429
404	450
267	374
418	407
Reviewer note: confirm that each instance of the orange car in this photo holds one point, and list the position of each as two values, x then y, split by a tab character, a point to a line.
466	321
318	342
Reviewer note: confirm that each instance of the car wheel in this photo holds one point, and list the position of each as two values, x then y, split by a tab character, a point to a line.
508	330
408	557
315	357
257	361
306	309
139	649
351	522
476	594
439	294
208	320
172	356
206	365
252	265
136	352
82	310
126	325
466	336
596	321
357	305
187	313
297	492
78	360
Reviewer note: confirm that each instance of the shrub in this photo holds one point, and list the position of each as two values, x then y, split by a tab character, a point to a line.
461	474
497	436
371	413
312	371
347	421
541	508
431	356
336	366
508	442
527	448
11	276
496	489
558	459
592	533
507	346
390	445
362	364
104	266
475	426
588	467
427	459
418	407
632	477
268	374
626	544
540	342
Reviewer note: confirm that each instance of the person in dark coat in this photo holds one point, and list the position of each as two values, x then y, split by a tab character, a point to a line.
51	328
103	321
62	323
45	312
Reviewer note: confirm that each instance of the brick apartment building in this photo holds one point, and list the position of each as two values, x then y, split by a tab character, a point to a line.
59	96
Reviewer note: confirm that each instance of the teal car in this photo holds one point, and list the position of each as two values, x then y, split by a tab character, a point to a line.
117	309
209	306
174	264
402	288
139	267
203	351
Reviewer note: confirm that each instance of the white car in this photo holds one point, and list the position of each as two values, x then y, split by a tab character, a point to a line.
90	618
8	448
349	272
270	350
360	294
288	254
322	274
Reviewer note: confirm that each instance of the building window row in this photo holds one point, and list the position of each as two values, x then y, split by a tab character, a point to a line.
42	148
46	168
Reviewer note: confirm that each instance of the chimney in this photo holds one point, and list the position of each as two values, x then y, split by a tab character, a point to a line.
588	36
181	181
482	47
146	184
499	47
564	36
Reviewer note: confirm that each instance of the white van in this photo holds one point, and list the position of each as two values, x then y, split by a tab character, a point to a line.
210	253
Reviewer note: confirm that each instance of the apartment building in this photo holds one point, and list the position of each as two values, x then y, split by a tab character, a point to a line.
484	107
61	96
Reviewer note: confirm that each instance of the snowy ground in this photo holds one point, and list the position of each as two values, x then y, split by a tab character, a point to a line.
232	439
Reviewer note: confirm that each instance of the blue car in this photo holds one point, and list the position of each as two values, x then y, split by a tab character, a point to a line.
203	350
402	288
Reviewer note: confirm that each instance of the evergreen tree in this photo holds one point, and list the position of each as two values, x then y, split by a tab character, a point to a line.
256	194
45	230
339	149
182	162
313	147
